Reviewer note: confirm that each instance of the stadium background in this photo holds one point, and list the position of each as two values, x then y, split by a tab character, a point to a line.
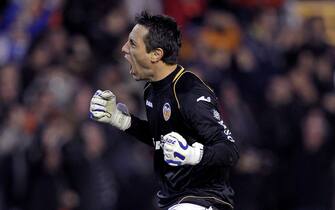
271	63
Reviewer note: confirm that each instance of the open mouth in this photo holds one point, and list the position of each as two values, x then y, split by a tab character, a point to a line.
131	71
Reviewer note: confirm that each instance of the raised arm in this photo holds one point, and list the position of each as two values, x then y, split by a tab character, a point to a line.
103	108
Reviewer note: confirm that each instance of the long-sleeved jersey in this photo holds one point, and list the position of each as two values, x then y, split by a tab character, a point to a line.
183	103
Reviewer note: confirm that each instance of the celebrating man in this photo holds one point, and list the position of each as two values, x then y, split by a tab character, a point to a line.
194	149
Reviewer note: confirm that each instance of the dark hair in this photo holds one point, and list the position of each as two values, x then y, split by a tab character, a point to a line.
163	33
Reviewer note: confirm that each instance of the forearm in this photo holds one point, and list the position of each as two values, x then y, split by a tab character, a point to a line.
220	154
140	130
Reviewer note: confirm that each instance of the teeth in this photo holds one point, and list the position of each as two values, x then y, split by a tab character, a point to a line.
131	69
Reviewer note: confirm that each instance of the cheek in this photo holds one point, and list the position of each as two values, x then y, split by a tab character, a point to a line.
140	58
135	56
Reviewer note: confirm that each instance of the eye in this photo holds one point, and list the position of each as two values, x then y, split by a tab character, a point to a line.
132	43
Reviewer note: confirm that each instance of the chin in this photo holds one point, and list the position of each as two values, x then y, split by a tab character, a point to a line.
136	78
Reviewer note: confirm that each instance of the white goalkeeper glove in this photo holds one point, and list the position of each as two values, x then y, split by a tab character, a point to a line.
103	108
177	152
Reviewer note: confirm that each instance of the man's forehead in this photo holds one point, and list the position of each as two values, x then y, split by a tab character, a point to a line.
138	32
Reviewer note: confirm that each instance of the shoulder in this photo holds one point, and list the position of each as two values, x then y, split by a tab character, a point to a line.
188	85
189	81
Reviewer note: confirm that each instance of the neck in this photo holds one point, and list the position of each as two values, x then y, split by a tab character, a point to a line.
162	70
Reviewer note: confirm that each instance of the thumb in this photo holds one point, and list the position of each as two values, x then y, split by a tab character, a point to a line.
107	94
123	108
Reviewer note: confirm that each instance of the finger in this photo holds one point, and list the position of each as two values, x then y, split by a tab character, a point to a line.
173	162
97	93
98	114
168	147
171	137
123	108
99	101
96	107
166	137
182	142
168	156
90	115
167	151
107	94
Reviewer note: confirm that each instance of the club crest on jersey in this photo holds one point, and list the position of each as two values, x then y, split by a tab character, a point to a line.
166	111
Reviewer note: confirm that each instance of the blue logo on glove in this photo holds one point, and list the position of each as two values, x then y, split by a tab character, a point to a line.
184	147
178	155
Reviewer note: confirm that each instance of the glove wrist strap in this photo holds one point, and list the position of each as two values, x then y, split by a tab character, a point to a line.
121	120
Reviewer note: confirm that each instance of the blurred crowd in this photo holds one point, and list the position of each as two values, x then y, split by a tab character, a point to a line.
272	71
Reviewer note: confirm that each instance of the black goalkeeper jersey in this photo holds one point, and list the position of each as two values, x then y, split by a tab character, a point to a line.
183	103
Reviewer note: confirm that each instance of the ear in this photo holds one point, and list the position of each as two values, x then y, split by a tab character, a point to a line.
156	55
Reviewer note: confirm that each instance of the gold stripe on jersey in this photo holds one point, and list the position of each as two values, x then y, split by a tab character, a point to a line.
175	80
178	76
146	87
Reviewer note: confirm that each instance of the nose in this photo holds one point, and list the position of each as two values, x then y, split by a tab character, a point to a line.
125	47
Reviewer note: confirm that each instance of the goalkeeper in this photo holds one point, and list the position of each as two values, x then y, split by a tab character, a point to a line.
194	149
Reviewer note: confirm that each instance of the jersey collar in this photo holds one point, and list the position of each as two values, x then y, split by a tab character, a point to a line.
169	79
